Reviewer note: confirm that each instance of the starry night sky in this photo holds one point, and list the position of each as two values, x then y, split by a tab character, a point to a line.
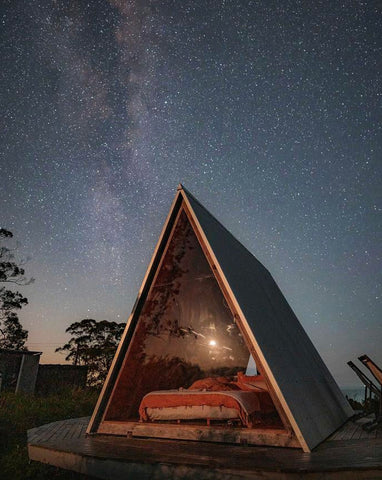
267	111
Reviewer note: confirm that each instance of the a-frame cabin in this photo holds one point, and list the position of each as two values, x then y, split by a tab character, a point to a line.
207	310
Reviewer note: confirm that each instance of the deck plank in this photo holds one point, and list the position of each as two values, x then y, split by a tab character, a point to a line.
77	431
336	454
353	430
47	433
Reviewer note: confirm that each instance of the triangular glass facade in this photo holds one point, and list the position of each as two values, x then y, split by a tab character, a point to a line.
185	332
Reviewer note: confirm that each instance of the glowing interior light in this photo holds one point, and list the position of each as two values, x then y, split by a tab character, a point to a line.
212	343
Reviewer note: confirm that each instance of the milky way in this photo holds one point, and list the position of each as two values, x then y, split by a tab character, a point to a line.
268	112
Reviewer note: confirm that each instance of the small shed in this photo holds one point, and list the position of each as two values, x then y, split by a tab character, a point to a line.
208	311
18	370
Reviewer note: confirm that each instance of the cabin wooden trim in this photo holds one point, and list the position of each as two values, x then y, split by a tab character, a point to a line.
108	387
179	204
284	411
123	427
229	297
163	251
114	427
248	436
202	433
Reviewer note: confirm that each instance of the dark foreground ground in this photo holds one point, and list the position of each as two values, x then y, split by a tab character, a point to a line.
18	413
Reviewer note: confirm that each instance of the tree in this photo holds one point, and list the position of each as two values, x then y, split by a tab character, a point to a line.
93	344
12	334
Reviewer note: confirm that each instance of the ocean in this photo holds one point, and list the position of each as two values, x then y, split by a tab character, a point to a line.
356	393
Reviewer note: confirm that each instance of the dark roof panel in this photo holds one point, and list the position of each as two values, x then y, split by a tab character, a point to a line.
312	395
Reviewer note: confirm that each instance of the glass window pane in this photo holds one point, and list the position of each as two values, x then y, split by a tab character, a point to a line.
185	332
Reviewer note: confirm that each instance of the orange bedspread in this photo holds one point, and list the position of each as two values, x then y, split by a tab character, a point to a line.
246	403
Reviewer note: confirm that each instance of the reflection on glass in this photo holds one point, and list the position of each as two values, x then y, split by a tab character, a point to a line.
185	332
251	367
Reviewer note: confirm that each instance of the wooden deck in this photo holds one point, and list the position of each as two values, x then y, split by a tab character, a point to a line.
351	453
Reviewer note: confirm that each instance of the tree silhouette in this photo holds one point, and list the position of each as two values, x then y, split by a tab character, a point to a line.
93	344
12	334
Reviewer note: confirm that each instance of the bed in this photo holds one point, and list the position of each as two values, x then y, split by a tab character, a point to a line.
244	400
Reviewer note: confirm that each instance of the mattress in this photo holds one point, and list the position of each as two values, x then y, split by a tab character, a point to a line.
209	405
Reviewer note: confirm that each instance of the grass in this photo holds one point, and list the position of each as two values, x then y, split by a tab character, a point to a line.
18	413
